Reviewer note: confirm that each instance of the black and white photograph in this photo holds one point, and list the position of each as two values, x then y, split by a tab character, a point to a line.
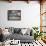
14	14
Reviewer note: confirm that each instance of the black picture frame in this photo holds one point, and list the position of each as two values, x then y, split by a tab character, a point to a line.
14	14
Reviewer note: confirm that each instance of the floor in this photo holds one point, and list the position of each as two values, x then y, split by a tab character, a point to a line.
35	43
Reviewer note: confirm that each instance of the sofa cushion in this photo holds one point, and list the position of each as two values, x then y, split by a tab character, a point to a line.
23	31
28	31
17	30
20	37
11	30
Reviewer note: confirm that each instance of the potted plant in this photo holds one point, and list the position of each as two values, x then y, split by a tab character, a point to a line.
37	33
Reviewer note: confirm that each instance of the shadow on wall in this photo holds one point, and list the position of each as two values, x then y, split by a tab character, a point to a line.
1	35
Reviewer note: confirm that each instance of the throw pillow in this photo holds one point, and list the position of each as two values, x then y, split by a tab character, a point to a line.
17	30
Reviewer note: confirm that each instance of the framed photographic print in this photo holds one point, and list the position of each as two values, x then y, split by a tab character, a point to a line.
14	14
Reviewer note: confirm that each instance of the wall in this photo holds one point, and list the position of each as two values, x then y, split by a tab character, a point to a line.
30	14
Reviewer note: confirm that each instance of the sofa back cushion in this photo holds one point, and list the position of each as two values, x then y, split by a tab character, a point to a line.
11	30
17	30
0	31
23	31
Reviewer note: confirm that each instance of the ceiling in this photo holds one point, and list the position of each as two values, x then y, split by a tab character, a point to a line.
20	0
24	0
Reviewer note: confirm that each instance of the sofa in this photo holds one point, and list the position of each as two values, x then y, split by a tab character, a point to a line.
22	34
